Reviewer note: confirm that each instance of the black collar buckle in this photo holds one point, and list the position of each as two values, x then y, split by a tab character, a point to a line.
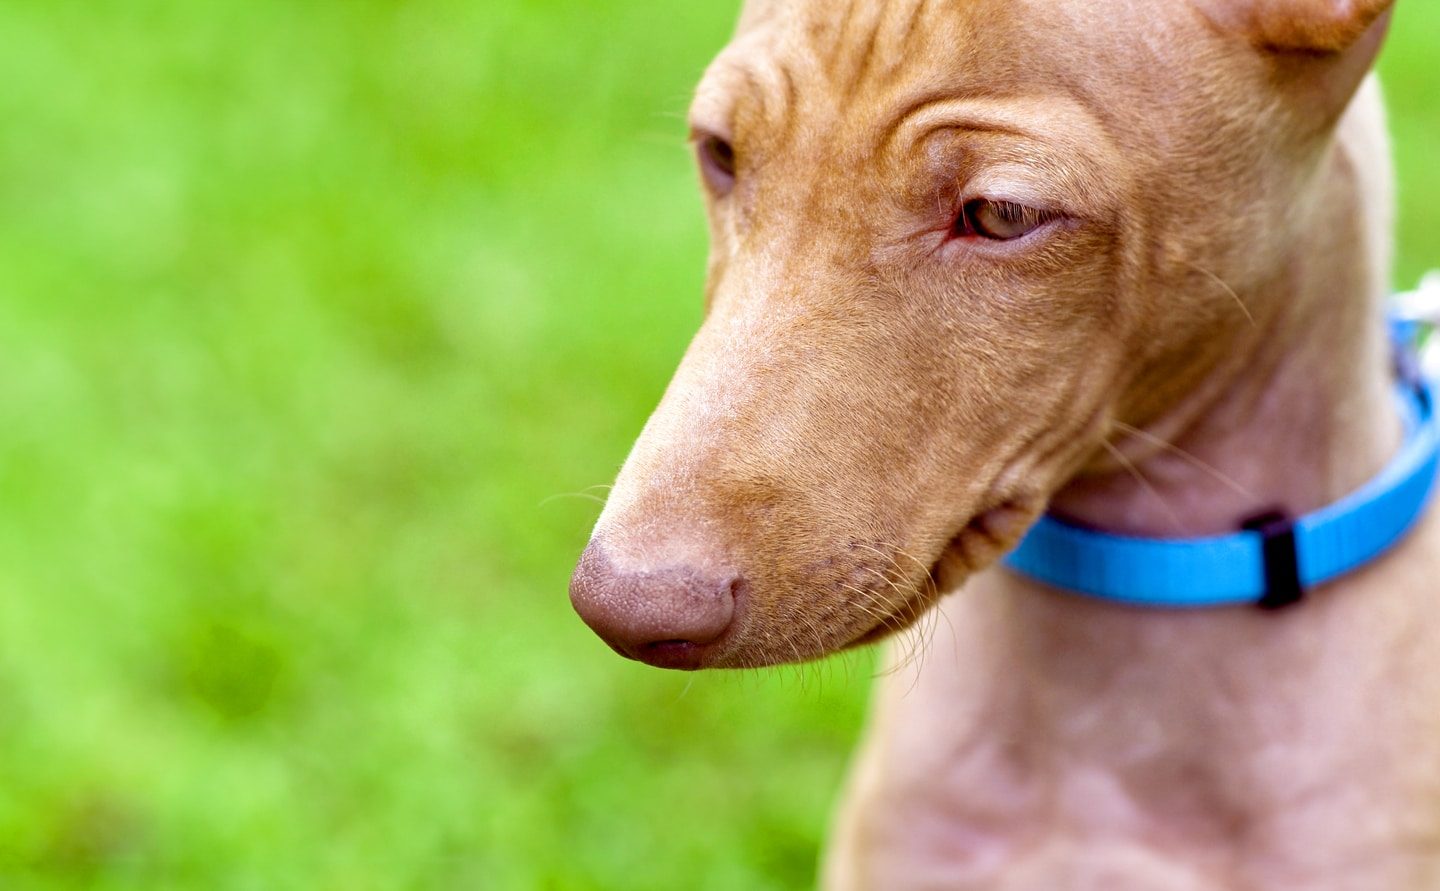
1282	559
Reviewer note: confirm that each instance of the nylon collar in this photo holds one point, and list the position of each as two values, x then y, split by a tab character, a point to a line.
1272	560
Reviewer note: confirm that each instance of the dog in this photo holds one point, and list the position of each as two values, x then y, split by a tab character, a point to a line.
1117	261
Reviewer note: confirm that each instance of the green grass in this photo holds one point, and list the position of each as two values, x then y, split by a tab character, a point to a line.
308	311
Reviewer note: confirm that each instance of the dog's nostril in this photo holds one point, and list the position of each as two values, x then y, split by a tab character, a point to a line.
665	617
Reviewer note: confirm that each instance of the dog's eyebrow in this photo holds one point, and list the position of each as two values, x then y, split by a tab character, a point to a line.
1062	119
728	89
943	110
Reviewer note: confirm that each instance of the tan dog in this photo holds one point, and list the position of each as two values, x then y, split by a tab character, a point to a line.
1121	259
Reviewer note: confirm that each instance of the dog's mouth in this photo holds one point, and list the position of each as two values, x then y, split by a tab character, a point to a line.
982	541
898	622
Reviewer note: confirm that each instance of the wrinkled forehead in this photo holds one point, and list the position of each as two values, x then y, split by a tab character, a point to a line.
860	63
877	30
859	48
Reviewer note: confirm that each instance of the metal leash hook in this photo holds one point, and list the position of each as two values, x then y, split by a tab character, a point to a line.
1418	314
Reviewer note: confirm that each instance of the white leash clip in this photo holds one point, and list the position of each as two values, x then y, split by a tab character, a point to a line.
1422	307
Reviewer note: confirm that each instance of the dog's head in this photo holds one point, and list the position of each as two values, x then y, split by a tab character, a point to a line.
955	242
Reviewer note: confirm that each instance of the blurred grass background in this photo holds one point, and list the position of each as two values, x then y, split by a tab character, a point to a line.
308	313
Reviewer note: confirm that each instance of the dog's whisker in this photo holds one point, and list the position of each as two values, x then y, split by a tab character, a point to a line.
1188	458
928	584
795	650
912	637
932	625
888	621
954	635
585	493
1228	290
1170	512
886	580
913	634
890	580
873	607
690	682
881	618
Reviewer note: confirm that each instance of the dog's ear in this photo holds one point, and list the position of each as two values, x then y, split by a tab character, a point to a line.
1305	26
1322	49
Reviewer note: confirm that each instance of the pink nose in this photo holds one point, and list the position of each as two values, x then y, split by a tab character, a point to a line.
663	617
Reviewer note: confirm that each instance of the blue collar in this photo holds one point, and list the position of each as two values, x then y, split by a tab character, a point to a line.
1273	560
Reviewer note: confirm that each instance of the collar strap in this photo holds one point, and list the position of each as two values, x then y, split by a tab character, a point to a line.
1273	560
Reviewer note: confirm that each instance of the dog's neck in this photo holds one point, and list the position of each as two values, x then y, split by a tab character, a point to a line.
1291	735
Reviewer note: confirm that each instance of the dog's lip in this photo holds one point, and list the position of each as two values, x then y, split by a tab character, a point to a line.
678	655
681	655
902	617
927	594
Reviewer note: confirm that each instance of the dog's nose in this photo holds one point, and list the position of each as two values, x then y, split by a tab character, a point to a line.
662	617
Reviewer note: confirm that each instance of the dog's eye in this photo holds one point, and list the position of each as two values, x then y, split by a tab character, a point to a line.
999	220
717	163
